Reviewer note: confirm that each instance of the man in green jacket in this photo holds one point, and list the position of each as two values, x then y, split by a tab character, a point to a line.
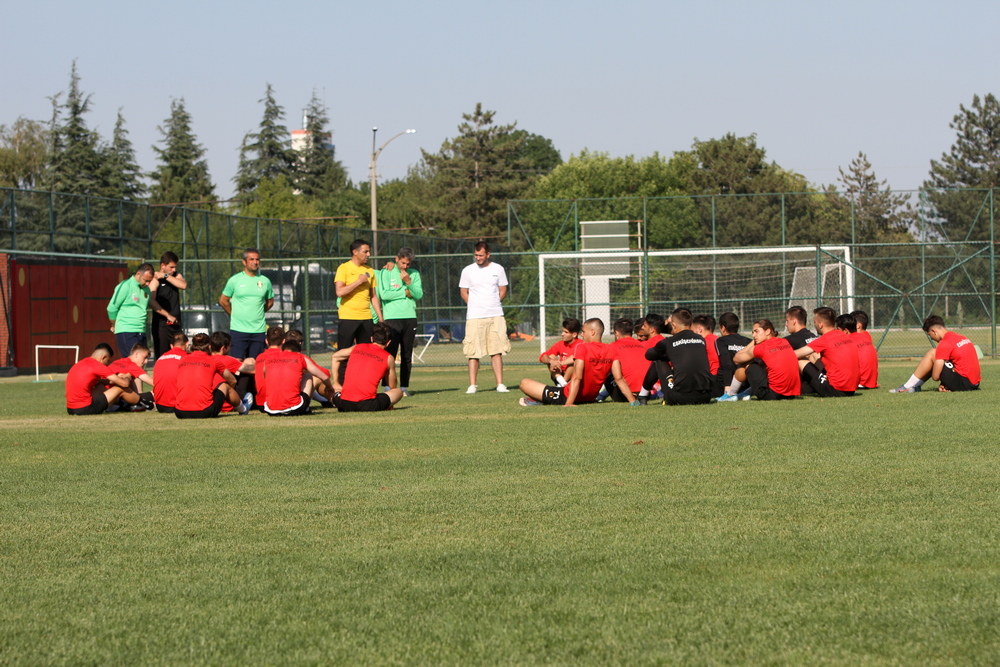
399	288
128	306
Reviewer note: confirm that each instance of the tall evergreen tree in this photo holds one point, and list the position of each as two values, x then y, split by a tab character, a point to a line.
879	214
972	162
267	153
182	175
75	160
122	176
318	172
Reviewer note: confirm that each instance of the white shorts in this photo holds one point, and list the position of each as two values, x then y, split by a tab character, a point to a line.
485	336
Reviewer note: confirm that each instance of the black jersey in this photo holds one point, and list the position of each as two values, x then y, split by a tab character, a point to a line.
168	296
727	346
687	354
801	338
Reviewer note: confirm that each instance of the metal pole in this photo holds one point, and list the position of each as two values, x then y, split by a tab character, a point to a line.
306	298
371	180
993	281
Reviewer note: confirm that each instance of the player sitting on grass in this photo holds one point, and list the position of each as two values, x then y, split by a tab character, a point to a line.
704	326
91	386
830	363
769	364
242	369
867	354
559	357
199	394
368	364
591	367
134	367
639	331
655	328
322	390
289	378
630	365
798	334
687	380
954	362
727	345
274	337
165	373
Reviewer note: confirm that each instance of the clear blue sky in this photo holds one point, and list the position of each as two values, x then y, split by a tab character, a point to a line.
817	82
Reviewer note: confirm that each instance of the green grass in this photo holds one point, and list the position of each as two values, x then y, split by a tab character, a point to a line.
467	530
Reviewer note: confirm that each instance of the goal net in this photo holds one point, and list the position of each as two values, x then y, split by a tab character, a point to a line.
754	283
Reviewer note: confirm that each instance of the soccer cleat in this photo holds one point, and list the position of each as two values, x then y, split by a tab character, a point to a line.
903	389
526	402
726	398
643	400
471	389
247	403
744	395
502	388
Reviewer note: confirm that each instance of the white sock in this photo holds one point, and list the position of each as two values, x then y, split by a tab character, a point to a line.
913	382
643	392
561	381
242	409
734	386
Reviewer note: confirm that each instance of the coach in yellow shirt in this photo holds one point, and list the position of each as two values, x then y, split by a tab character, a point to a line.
355	284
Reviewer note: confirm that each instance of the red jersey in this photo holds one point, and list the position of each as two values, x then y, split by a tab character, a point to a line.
367	365
284	380
713	353
867	359
165	377
196	380
652	340
840	358
126	366
597	361
631	354
563	350
81	380
783	375
325	370
259	376
232	365
960	351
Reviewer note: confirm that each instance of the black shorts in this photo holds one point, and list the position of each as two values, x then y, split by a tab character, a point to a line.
167	409
301	409
674	397
98	404
380	403
554	395
815	376
213	410
952	381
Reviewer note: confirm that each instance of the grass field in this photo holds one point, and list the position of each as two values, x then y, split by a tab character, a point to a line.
467	530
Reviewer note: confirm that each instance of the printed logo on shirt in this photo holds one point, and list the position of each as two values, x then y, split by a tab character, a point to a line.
688	341
964	341
260	284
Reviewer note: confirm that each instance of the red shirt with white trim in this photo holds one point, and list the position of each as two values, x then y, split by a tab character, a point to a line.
783	375
165	377
81	380
960	351
840	358
284	380
366	366
867	359
196	380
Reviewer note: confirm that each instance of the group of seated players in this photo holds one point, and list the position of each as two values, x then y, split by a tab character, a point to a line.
197	379
684	362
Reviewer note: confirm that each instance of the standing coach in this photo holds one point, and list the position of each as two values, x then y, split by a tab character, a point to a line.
246	297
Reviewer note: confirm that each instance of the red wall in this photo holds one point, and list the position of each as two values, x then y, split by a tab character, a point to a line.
60	303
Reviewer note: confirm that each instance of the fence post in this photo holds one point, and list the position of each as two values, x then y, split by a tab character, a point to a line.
993	281
86	221
121	231
306	298
13	222
52	222
819	278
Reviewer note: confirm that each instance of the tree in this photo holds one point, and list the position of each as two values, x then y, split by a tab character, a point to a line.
75	160
121	174
276	199
23	154
972	162
318	172
182	175
879	214
538	152
267	153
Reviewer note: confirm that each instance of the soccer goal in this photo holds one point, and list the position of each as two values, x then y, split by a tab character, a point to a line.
754	283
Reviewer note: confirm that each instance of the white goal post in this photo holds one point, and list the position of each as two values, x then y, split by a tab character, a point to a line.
76	357
806	269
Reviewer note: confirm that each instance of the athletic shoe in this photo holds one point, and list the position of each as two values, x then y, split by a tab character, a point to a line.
138	407
744	395
643	400
324	404
471	389
527	402
726	398
146	404
903	389
406	392
502	388
247	403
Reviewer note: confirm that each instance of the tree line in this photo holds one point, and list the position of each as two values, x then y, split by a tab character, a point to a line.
462	188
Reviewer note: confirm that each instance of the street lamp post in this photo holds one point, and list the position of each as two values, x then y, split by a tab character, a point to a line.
375	154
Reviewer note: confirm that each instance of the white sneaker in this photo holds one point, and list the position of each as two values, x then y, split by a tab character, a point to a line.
502	388
471	389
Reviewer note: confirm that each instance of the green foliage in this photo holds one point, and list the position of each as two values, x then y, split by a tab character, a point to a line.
120	172
317	172
275	198
267	153
23	153
972	162
76	161
182	175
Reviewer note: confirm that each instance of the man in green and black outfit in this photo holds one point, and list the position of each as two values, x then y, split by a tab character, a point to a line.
128	306
399	288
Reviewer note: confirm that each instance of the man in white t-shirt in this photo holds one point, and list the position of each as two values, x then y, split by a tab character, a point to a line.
483	286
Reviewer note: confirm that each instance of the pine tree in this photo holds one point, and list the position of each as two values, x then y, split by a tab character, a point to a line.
121	176
76	163
183	173
972	162
318	173
879	214
267	153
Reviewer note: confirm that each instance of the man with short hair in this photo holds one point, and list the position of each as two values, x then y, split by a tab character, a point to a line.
165	374
867	353
483	287
356	284
704	326
592	365
829	363
630	364
91	386
655	328
133	367
290	381
245	298
369	363
128	306
399	287
199	394
689	381
769	364
559	357
795	321
727	345
242	369
954	362
166	286
275	337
